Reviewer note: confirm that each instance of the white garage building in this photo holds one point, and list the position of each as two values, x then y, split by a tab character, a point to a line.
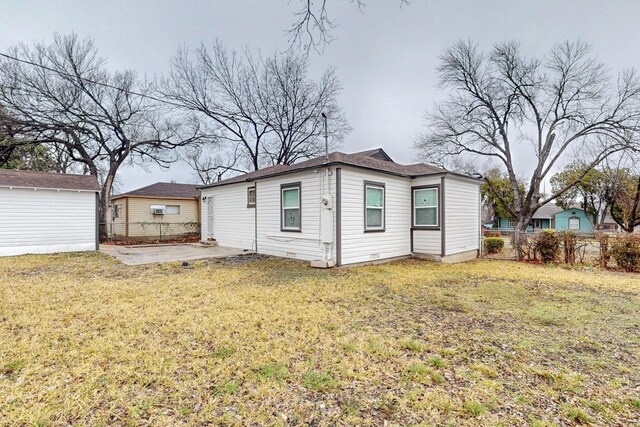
47	212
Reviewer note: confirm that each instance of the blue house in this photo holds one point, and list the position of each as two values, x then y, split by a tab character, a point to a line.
575	220
552	216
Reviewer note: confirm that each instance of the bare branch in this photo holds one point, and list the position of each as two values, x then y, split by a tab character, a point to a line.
503	103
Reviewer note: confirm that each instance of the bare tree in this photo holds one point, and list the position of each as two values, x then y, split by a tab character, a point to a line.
63	95
259	112
313	25
622	194
210	164
504	106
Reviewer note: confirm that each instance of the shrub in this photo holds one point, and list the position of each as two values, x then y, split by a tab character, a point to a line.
547	245
625	249
492	233
493	245
525	245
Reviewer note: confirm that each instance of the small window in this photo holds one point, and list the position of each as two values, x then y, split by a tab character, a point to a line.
425	205
374	206
116	211
251	197
172	210
290	202
574	223
512	223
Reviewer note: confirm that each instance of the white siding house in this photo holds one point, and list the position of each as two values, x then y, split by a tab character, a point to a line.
45	213
234	224
360	244
347	209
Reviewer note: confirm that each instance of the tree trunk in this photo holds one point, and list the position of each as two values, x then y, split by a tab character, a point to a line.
103	208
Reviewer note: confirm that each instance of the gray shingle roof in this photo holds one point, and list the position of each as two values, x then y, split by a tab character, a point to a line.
164	189
61	181
370	159
547	211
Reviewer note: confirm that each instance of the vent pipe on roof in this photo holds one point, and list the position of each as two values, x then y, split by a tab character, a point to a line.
326	138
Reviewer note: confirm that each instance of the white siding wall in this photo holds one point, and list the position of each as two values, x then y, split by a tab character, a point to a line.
358	246
234	222
305	245
46	221
426	241
462	201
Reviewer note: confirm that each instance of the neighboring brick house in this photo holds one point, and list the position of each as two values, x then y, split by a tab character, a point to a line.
158	210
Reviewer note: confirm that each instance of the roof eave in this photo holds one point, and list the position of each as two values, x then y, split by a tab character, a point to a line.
136	196
31	187
328	164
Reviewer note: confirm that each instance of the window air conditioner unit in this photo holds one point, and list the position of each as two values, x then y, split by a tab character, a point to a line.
157	210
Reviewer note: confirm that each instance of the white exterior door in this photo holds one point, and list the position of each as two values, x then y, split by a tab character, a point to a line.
210	222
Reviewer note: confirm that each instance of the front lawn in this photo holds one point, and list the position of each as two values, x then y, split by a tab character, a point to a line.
87	341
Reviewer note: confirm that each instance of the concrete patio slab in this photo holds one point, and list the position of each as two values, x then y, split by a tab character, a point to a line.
149	254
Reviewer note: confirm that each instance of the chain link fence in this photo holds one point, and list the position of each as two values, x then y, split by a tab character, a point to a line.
574	247
149	231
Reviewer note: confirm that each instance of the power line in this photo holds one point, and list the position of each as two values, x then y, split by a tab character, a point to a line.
72	76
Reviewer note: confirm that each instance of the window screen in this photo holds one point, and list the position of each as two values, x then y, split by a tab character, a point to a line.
291	208
374	208
425	205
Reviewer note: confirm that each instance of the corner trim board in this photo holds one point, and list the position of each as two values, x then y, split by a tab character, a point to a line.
97	201
443	236
255	217
338	217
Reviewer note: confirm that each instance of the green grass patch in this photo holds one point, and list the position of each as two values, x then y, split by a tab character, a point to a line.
319	381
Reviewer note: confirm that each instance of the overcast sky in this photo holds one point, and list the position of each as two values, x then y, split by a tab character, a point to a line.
385	57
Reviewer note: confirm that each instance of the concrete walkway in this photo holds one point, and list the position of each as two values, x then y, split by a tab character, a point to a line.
136	255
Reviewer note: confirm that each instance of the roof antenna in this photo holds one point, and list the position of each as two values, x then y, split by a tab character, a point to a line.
326	138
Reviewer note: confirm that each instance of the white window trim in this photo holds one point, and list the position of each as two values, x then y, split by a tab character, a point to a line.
437	206
512	223
283	210
376	186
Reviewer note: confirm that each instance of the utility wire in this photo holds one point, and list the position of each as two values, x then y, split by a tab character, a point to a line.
64	73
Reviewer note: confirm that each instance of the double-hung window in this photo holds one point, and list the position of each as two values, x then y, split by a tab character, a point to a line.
374	206
290	207
425	207
251	197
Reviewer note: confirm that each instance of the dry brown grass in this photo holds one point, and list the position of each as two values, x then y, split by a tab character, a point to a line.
87	341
